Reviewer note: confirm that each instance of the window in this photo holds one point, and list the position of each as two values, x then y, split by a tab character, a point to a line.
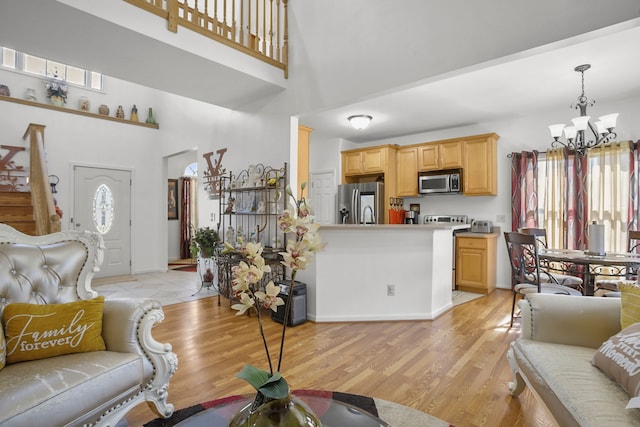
103	208
30	64
568	198
191	170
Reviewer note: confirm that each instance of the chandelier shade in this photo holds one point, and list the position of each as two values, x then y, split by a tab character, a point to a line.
576	135
360	121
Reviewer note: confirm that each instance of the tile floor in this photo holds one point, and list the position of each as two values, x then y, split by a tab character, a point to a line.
169	288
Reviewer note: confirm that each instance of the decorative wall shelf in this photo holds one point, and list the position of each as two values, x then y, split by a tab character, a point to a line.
78	112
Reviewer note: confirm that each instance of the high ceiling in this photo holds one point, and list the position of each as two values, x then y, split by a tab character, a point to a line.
526	83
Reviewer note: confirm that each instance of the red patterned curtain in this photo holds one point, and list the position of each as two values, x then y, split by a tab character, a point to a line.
524	189
634	189
185	217
566	206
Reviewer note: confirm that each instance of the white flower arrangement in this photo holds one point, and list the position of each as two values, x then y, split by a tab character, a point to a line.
306	240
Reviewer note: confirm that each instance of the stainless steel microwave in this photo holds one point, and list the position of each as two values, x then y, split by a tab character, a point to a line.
444	183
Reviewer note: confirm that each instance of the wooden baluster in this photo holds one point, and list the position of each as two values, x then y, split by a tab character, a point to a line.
277	32
205	17
285	42
194	13
241	26
256	46
263	49
234	35
214	18
172	18
225	21
271	32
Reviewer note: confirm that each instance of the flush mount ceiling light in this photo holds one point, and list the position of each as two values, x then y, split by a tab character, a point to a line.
575	136
360	121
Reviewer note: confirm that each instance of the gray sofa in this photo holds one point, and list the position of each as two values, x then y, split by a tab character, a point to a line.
552	356
95	388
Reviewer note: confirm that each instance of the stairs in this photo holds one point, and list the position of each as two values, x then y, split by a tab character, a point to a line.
16	211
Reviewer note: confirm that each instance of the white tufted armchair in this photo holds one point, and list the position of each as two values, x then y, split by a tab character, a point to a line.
82	389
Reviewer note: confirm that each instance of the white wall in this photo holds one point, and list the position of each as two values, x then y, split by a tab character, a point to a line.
516	134
185	124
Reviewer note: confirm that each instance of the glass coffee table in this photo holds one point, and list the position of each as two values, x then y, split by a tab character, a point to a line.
332	413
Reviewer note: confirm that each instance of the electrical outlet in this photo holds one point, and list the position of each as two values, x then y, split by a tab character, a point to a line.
391	290
500	219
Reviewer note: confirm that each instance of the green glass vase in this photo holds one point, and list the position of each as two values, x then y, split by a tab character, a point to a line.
287	412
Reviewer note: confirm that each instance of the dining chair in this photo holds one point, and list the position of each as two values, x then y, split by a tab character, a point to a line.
526	271
609	286
552	273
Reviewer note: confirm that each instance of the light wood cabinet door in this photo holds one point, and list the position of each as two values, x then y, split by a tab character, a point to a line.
476	263
437	156
428	157
450	155
352	163
407	172
374	160
480	167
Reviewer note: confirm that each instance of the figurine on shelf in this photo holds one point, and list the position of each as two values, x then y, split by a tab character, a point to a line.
134	113
120	112
230	235
83	103
241	237
30	94
254	177
229	208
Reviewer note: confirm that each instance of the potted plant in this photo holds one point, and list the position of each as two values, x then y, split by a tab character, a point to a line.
204	242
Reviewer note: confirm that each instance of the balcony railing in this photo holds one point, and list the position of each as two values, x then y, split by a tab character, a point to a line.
256	27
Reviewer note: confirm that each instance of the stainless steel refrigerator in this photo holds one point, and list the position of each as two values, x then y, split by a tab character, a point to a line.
361	203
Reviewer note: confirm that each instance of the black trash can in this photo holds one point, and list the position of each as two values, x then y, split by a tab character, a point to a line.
298	313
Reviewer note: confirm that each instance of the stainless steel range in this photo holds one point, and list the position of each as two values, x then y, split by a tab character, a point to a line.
446	219
462	220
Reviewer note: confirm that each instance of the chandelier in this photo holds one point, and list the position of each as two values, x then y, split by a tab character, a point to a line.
575	135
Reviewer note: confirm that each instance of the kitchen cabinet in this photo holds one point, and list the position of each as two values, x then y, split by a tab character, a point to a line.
407	172
364	162
372	164
480	164
476	262
440	155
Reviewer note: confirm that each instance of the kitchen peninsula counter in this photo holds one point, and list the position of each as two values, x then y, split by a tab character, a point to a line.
349	280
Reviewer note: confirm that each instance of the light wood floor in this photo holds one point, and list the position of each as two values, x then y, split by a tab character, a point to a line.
453	367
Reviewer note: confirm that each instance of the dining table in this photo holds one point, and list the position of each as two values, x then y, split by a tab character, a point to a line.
589	265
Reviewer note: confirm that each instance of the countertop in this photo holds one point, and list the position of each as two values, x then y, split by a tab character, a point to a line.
476	235
394	226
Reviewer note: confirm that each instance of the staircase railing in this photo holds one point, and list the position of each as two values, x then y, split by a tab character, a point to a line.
256	27
44	211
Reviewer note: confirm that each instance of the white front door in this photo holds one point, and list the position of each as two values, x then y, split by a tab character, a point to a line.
102	203
323	196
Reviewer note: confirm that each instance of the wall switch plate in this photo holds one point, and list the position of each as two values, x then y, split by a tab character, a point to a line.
500	219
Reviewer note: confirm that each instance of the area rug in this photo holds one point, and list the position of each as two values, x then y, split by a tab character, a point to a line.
460	297
175	267
394	414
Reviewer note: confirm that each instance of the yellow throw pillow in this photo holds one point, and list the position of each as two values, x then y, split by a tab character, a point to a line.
38	331
629	304
3	353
